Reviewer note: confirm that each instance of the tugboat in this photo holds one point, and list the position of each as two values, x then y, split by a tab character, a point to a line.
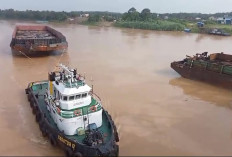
72	116
215	68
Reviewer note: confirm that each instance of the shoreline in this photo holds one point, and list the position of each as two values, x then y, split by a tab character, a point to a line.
195	29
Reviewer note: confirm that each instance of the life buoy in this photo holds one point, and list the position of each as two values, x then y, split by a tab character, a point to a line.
93	108
77	112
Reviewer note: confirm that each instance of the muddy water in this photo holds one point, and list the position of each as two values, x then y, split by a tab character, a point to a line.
157	112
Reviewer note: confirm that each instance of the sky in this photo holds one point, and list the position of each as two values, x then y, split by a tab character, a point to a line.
156	6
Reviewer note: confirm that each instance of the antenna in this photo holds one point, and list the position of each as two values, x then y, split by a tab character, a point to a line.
88	117
92	83
84	120
58	61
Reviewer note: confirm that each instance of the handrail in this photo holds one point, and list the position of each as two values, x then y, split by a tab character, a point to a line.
95	95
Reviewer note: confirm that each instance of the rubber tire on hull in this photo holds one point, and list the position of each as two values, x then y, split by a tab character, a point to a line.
44	132
31	103
42	128
116	149
33	109
77	154
52	140
116	136
115	132
38	117
68	152
29	97
40	125
115	129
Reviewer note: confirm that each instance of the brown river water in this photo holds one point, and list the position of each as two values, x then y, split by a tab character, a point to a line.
156	111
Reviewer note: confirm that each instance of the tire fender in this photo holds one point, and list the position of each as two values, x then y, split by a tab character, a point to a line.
52	140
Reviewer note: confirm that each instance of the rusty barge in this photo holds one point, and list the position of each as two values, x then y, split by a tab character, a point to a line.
37	38
215	68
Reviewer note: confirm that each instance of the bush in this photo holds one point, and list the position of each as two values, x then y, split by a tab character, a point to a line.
94	18
155	25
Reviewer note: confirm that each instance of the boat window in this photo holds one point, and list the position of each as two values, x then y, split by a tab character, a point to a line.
84	95
71	98
65	98
78	96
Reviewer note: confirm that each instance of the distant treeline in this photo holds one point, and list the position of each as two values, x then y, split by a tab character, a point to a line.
131	15
147	20
146	14
193	16
131	19
51	15
166	22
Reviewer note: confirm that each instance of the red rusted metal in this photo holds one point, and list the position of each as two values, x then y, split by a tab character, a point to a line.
37	38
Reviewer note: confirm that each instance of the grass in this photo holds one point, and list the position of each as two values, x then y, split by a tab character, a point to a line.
168	25
207	27
161	25
226	28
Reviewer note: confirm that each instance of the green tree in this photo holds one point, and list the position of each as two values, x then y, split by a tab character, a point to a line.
94	18
132	15
132	10
145	14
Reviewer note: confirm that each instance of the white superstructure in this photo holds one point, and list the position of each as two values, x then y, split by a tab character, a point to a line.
70	102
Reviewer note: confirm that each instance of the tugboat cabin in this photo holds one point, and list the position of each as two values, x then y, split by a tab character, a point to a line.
71	104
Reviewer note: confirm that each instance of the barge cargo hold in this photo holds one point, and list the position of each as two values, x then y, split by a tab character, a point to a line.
37	38
215	69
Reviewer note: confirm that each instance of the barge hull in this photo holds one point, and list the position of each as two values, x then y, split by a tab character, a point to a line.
204	75
29	39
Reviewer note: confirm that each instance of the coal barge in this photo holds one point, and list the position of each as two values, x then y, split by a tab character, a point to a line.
29	39
72	116
215	68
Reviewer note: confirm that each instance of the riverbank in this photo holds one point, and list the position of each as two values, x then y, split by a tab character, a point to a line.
159	25
132	19
164	25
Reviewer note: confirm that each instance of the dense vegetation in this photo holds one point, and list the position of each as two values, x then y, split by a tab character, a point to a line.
148	20
34	15
156	25
171	22
131	19
54	16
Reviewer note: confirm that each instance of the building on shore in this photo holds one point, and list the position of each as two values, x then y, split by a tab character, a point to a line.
224	20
